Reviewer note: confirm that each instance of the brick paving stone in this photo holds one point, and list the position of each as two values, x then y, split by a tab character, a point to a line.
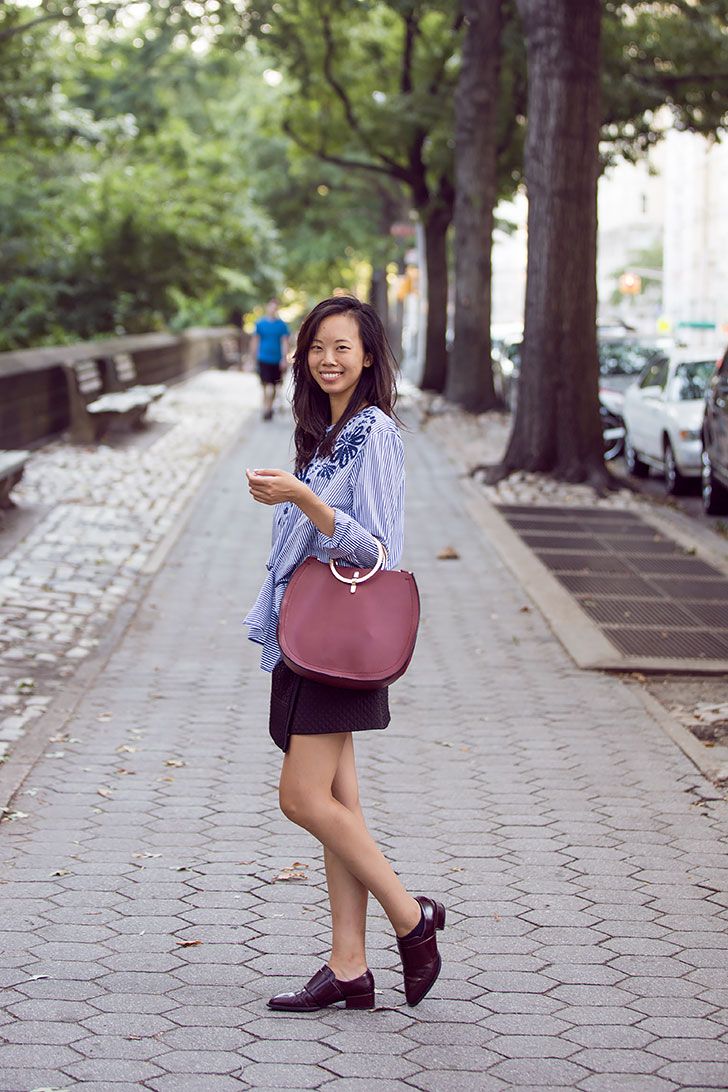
258	1074
697	1074
25	1079
387	1066
559	829
537	1073
175	1082
627	1082
691	1050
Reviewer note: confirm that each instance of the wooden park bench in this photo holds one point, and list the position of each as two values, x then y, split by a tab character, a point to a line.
12	464
121	375
92	411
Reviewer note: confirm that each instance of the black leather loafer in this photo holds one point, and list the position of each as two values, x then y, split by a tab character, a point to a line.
325	989
421	960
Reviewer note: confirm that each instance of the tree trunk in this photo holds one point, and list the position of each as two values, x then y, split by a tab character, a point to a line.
435	222
556	427
378	297
470	370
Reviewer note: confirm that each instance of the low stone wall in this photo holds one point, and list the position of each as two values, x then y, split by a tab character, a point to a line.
33	395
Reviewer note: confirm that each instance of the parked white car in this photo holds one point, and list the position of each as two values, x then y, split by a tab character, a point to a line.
663	416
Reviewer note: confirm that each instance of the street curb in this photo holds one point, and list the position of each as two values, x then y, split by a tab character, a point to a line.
30	747
715	769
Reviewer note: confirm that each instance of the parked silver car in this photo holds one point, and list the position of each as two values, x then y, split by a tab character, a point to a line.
663	416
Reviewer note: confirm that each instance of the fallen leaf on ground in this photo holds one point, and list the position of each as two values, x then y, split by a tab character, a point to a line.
125	748
104	716
443	742
123	770
174	762
61	872
524	610
448	553
9	815
287	874
104	792
144	853
187	943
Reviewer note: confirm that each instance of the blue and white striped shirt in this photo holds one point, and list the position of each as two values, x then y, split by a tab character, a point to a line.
363	481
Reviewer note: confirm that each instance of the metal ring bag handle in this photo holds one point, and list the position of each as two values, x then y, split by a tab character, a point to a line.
361	579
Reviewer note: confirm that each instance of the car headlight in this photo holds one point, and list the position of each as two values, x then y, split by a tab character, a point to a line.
689	434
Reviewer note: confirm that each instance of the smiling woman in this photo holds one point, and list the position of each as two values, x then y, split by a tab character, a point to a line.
344	503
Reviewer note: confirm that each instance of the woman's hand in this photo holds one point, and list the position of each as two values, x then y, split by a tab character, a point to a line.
275	486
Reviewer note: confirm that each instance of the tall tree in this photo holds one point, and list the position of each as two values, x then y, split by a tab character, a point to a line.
470	374
556	427
378	101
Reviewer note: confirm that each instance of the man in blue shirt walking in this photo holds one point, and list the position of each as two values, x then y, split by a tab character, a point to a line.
269	347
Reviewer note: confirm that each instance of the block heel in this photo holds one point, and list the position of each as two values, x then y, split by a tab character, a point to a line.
439	916
360	1001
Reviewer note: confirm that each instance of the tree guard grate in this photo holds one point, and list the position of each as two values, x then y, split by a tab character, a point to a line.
704	644
578	562
636	612
648	595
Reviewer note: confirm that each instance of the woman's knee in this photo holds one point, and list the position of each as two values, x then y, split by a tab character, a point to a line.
302	808
292	804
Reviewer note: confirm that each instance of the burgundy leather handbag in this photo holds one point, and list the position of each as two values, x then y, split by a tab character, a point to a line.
349	627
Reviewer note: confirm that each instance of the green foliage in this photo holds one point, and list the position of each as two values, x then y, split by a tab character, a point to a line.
664	62
126	197
151	177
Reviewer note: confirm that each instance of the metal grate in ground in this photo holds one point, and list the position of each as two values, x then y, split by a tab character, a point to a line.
648	595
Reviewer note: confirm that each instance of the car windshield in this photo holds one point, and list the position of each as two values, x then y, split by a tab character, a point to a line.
691	380
625	357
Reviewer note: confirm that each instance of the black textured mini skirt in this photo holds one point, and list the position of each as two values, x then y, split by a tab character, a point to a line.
299	706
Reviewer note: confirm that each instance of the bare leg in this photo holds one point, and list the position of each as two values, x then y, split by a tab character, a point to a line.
306	797
347	895
268	396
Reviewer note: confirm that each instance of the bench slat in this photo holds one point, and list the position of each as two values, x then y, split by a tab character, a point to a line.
11	461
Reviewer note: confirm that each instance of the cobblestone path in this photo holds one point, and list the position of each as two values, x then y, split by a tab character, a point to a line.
103	511
144	914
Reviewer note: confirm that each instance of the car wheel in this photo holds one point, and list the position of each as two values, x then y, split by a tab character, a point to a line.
635	465
715	495
675	483
612	438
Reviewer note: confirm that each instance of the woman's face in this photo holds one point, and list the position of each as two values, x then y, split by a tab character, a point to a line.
336	358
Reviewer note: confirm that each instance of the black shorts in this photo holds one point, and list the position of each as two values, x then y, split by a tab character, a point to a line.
269	373
301	707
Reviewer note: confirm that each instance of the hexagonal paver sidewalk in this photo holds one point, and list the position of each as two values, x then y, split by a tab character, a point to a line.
144	919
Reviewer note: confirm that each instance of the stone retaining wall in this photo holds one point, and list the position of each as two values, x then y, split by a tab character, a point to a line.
33	397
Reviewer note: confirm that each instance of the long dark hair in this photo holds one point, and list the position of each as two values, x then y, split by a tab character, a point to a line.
376	387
